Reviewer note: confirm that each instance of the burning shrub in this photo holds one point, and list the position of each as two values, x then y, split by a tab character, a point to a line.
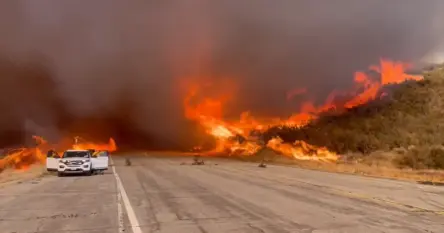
360	123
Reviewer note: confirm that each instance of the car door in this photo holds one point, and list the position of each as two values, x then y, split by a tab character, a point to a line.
52	160
95	162
104	159
100	160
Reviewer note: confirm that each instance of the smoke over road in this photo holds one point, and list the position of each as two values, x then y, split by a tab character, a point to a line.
121	68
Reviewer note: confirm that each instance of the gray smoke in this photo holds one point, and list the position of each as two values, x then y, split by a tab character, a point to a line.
126	59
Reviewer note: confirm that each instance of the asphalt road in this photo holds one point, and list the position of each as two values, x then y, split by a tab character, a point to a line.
164	195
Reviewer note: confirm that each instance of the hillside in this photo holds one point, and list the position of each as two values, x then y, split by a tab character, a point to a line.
409	122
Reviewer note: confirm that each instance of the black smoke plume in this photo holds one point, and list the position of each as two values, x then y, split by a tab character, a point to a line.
113	68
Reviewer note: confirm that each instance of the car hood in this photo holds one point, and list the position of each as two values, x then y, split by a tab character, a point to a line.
74	159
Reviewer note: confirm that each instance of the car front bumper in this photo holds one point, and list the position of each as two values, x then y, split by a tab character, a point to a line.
74	168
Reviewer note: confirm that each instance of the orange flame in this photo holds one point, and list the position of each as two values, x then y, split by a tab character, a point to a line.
110	146
22	158
209	113
390	73
302	150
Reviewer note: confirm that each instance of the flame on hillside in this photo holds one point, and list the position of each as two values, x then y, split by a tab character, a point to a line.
242	137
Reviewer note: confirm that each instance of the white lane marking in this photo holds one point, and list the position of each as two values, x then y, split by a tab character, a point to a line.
135	226
120	213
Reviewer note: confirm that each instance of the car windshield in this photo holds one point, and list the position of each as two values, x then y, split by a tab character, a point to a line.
76	154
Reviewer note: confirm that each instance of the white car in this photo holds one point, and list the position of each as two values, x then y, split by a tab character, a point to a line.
77	161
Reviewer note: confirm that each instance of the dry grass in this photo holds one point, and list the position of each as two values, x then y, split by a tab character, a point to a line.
377	164
12	176
376	171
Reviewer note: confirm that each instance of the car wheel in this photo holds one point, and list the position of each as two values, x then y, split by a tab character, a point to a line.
89	173
60	174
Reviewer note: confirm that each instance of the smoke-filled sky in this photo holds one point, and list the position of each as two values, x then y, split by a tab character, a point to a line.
64	63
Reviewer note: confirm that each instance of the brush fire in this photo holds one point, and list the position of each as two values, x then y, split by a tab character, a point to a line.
23	158
244	137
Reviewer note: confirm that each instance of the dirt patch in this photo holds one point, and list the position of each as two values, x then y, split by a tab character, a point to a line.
10	176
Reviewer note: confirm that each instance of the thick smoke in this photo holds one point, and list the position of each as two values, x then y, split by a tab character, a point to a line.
116	68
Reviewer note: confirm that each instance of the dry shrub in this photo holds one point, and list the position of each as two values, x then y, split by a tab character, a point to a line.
379	159
422	158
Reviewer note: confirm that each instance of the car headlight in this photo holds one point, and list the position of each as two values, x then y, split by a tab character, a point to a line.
62	161
85	160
